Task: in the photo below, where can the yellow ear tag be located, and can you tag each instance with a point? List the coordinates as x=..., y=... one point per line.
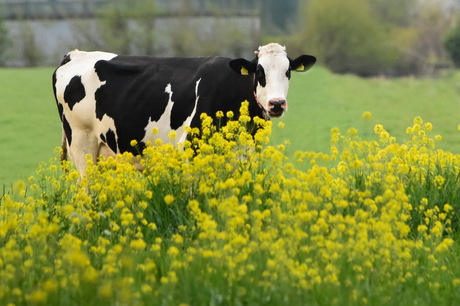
x=301, y=67
x=244, y=71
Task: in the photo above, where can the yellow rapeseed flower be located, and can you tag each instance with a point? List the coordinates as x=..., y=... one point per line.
x=169, y=199
x=138, y=244
x=445, y=244
x=37, y=297
x=172, y=134
x=352, y=132
x=105, y=291
x=146, y=289
x=367, y=115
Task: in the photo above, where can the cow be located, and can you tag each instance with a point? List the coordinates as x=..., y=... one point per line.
x=107, y=100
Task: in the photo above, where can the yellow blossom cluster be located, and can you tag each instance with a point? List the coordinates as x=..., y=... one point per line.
x=229, y=219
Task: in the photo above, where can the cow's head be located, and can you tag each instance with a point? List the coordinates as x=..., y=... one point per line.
x=271, y=71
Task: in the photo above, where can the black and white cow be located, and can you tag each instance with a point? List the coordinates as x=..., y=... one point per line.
x=107, y=100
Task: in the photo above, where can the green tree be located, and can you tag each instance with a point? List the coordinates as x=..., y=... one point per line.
x=123, y=26
x=394, y=12
x=452, y=45
x=29, y=48
x=347, y=36
x=432, y=22
x=417, y=29
x=3, y=41
x=128, y=26
x=368, y=37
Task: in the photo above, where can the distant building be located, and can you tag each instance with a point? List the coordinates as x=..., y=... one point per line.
x=42, y=31
x=49, y=9
x=275, y=14
x=56, y=9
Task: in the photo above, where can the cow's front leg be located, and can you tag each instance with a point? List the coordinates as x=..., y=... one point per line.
x=82, y=144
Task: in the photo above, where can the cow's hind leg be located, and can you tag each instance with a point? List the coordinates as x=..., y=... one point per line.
x=63, y=147
x=83, y=144
x=63, y=155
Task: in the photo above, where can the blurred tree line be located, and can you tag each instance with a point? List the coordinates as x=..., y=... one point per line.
x=364, y=37
x=3, y=41
x=379, y=37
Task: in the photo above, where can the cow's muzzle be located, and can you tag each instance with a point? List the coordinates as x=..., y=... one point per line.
x=276, y=107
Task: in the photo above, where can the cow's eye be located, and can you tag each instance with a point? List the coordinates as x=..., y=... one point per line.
x=288, y=74
x=260, y=72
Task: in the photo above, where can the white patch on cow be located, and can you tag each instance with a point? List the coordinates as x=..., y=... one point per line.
x=182, y=129
x=164, y=121
x=83, y=114
x=82, y=118
x=163, y=125
x=273, y=58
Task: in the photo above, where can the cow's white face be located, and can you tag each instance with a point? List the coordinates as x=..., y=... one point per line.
x=272, y=79
x=271, y=72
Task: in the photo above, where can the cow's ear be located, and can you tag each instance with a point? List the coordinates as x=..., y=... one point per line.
x=243, y=66
x=302, y=63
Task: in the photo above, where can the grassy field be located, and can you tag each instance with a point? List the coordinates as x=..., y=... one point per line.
x=29, y=123
x=318, y=101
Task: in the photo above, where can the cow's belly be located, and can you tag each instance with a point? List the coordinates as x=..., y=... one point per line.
x=110, y=137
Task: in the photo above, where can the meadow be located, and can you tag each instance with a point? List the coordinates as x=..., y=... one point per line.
x=360, y=206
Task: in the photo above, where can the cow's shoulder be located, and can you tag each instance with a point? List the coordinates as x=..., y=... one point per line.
x=218, y=78
x=79, y=64
x=122, y=65
x=76, y=59
x=215, y=65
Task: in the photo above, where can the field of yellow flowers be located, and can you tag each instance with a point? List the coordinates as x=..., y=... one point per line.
x=230, y=220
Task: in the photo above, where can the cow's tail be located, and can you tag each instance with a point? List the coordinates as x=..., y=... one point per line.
x=63, y=147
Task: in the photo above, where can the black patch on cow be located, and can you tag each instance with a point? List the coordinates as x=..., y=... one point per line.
x=111, y=140
x=54, y=89
x=102, y=137
x=224, y=91
x=132, y=95
x=260, y=76
x=288, y=73
x=181, y=110
x=67, y=129
x=60, y=110
x=74, y=92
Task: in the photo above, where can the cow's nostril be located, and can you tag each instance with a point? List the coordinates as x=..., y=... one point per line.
x=276, y=107
x=277, y=103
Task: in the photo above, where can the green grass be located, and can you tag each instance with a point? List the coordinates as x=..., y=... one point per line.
x=318, y=100
x=29, y=124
